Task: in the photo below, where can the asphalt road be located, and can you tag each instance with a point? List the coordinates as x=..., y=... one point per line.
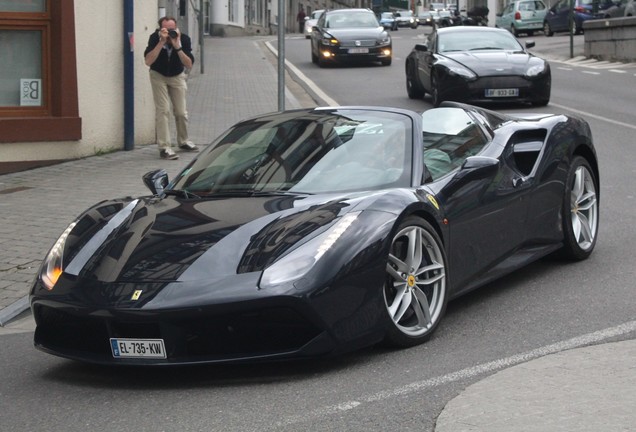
x=544, y=305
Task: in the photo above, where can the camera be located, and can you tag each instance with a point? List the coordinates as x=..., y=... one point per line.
x=173, y=34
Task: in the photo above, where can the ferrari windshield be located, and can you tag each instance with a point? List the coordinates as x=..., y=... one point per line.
x=317, y=151
x=477, y=40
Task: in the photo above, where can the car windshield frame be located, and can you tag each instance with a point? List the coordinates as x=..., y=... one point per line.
x=476, y=40
x=305, y=152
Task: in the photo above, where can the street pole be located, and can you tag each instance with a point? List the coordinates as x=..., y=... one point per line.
x=572, y=27
x=201, y=50
x=281, y=55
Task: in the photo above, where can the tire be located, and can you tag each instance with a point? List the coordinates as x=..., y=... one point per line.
x=415, y=289
x=514, y=31
x=413, y=88
x=580, y=211
x=437, y=99
x=314, y=57
x=530, y=33
x=547, y=30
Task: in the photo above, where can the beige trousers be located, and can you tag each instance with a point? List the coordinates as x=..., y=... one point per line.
x=169, y=92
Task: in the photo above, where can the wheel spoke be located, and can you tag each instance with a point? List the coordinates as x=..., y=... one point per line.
x=400, y=291
x=422, y=308
x=585, y=231
x=405, y=302
x=433, y=277
x=414, y=251
x=400, y=265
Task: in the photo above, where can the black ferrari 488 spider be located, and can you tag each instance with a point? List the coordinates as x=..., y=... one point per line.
x=477, y=64
x=313, y=232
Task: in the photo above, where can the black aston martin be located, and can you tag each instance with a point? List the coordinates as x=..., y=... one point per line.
x=477, y=64
x=313, y=232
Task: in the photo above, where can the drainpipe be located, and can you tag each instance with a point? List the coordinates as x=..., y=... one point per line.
x=129, y=76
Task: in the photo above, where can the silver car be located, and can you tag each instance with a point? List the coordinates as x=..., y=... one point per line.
x=311, y=21
x=522, y=16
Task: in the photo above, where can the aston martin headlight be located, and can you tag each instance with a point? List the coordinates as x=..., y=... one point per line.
x=53, y=265
x=462, y=72
x=535, y=70
x=298, y=262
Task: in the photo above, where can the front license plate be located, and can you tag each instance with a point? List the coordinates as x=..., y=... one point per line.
x=358, y=50
x=502, y=92
x=138, y=348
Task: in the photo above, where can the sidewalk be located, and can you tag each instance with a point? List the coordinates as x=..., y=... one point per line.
x=584, y=389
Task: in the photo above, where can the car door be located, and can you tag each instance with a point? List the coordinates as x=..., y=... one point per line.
x=485, y=204
x=426, y=60
x=558, y=16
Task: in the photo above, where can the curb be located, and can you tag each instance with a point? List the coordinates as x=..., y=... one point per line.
x=13, y=310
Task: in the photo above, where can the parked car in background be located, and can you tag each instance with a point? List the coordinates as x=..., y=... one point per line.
x=557, y=19
x=311, y=21
x=522, y=16
x=613, y=8
x=477, y=64
x=388, y=21
x=406, y=18
x=350, y=34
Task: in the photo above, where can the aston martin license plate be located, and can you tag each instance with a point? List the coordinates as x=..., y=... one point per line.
x=510, y=92
x=358, y=50
x=138, y=348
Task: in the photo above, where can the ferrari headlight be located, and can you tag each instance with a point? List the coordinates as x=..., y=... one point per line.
x=298, y=262
x=535, y=70
x=462, y=72
x=53, y=265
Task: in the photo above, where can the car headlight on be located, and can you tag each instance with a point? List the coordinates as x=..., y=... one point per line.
x=535, y=70
x=329, y=40
x=462, y=72
x=298, y=262
x=53, y=265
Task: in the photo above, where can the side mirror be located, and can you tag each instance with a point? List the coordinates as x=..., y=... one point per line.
x=421, y=47
x=156, y=181
x=530, y=44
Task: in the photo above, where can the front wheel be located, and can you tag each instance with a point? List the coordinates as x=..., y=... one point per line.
x=413, y=88
x=580, y=211
x=437, y=98
x=416, y=283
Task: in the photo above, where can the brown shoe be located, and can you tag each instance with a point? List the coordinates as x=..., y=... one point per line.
x=189, y=146
x=168, y=154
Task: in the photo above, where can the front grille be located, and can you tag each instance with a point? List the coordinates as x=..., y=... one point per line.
x=363, y=43
x=188, y=336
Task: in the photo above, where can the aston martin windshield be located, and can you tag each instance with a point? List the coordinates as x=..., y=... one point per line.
x=306, y=152
x=477, y=40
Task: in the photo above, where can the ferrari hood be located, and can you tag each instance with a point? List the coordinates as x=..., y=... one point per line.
x=493, y=63
x=153, y=240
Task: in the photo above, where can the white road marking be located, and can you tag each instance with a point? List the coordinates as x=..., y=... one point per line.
x=597, y=117
x=591, y=73
x=471, y=372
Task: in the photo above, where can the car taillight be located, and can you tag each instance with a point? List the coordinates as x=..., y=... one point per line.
x=517, y=15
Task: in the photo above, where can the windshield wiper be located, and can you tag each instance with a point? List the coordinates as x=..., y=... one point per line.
x=181, y=193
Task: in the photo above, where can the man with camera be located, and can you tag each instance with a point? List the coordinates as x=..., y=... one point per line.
x=169, y=54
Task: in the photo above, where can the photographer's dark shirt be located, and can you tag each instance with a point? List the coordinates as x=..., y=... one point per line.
x=169, y=64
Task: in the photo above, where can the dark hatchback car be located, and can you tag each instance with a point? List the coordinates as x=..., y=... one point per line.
x=558, y=17
x=350, y=34
x=477, y=64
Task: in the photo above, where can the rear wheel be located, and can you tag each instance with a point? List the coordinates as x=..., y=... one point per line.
x=547, y=30
x=580, y=211
x=514, y=31
x=415, y=288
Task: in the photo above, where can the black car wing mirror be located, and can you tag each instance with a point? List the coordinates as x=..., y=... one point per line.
x=530, y=44
x=421, y=47
x=156, y=181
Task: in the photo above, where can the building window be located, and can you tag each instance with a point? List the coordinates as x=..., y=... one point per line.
x=38, y=74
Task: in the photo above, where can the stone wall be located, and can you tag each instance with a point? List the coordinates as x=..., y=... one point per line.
x=611, y=39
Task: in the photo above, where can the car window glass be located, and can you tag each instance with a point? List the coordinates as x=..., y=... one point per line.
x=449, y=136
